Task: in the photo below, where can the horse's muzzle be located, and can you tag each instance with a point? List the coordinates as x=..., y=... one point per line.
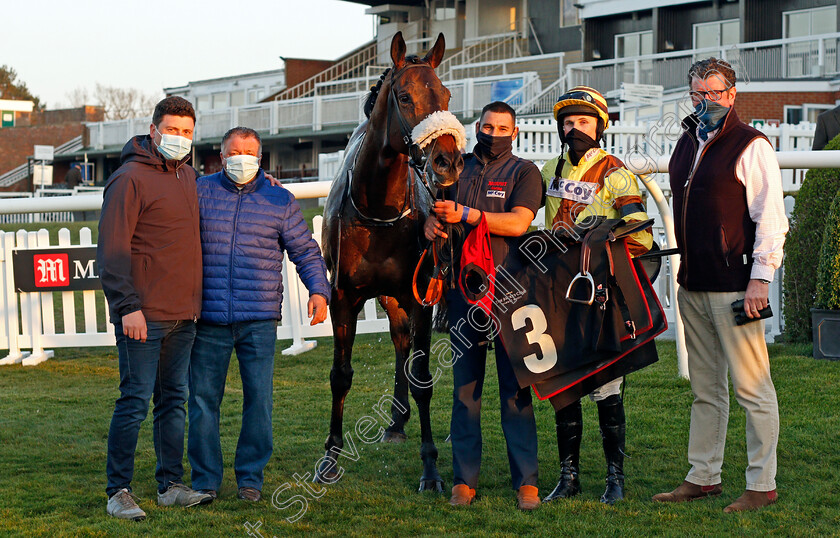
x=446, y=168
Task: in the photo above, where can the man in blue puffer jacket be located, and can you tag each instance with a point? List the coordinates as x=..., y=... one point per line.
x=246, y=225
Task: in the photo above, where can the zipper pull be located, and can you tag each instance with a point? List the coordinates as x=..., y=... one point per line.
x=686, y=183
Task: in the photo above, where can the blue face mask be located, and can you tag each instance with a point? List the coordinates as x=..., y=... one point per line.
x=711, y=115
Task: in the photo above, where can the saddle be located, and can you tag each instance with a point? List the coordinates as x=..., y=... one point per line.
x=575, y=310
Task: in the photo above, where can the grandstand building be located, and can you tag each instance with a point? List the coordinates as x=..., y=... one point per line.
x=526, y=52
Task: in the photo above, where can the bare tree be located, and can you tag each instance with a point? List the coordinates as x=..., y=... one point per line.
x=78, y=97
x=119, y=103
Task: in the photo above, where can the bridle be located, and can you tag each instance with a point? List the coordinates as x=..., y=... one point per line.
x=417, y=156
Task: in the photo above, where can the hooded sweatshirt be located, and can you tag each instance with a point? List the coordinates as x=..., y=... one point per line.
x=149, y=251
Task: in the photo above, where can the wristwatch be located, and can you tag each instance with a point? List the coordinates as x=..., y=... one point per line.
x=763, y=280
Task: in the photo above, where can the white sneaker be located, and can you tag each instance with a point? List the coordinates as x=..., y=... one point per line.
x=122, y=505
x=181, y=495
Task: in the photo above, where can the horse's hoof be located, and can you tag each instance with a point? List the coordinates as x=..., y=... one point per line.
x=394, y=437
x=431, y=484
x=324, y=478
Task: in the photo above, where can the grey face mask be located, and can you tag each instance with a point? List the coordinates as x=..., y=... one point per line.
x=711, y=115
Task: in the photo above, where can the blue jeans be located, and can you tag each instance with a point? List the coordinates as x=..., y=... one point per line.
x=157, y=367
x=254, y=342
x=518, y=423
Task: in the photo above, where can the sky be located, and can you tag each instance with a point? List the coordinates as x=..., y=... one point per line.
x=59, y=45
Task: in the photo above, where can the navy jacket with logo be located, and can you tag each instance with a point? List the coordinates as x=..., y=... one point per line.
x=244, y=233
x=497, y=186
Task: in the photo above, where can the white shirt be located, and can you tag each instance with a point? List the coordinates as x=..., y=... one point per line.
x=758, y=171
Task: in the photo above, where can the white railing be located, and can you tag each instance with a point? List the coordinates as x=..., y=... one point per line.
x=305, y=113
x=45, y=325
x=539, y=141
x=351, y=66
x=52, y=216
x=482, y=49
x=777, y=59
x=543, y=103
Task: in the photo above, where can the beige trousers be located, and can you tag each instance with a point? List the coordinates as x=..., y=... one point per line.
x=717, y=345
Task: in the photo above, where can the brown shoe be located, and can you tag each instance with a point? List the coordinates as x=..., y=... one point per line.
x=688, y=492
x=462, y=495
x=528, y=498
x=752, y=500
x=249, y=494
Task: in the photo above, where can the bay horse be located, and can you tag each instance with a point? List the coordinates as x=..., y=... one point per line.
x=373, y=225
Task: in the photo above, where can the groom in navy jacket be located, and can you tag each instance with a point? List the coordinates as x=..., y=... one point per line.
x=246, y=226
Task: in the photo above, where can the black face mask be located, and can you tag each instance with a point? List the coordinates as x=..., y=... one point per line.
x=493, y=147
x=579, y=143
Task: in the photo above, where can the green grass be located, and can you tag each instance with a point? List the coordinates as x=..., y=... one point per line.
x=54, y=422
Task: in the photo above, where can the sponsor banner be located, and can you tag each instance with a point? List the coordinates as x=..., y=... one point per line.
x=56, y=269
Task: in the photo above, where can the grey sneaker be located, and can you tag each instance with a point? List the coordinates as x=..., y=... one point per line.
x=123, y=505
x=181, y=495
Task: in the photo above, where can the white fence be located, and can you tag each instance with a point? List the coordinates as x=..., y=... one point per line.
x=35, y=321
x=30, y=319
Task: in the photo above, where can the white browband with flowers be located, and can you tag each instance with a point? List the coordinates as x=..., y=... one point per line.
x=436, y=124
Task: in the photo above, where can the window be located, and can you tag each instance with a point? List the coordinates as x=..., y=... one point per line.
x=629, y=46
x=717, y=34
x=807, y=112
x=809, y=22
x=203, y=103
x=635, y=44
x=801, y=59
x=255, y=95
x=444, y=10
x=220, y=100
x=568, y=13
x=237, y=98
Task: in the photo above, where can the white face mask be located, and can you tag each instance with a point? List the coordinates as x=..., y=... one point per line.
x=242, y=168
x=174, y=147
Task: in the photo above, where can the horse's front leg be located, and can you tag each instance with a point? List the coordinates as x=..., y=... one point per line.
x=421, y=383
x=400, y=326
x=344, y=311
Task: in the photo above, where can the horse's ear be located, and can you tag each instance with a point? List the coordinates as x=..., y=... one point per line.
x=398, y=51
x=435, y=54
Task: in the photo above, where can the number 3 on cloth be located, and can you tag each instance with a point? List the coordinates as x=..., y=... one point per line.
x=537, y=336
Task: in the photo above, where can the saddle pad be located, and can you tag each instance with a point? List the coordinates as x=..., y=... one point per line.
x=545, y=334
x=636, y=354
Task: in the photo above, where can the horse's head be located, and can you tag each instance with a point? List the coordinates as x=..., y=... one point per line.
x=417, y=119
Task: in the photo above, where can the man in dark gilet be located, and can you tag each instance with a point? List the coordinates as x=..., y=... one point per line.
x=731, y=226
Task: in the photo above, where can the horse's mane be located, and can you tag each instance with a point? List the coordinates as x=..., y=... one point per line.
x=370, y=100
x=374, y=92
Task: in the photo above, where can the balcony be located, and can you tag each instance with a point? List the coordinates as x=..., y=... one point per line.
x=324, y=110
x=777, y=59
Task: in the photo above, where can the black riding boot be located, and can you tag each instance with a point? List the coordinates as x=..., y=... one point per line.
x=611, y=419
x=569, y=429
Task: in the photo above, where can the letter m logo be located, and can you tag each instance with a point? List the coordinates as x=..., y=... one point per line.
x=51, y=270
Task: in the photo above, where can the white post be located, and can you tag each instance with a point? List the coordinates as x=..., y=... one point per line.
x=10, y=307
x=668, y=223
x=88, y=296
x=316, y=113
x=68, y=305
x=292, y=292
x=39, y=355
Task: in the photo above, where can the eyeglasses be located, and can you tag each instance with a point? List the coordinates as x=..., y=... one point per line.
x=711, y=95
